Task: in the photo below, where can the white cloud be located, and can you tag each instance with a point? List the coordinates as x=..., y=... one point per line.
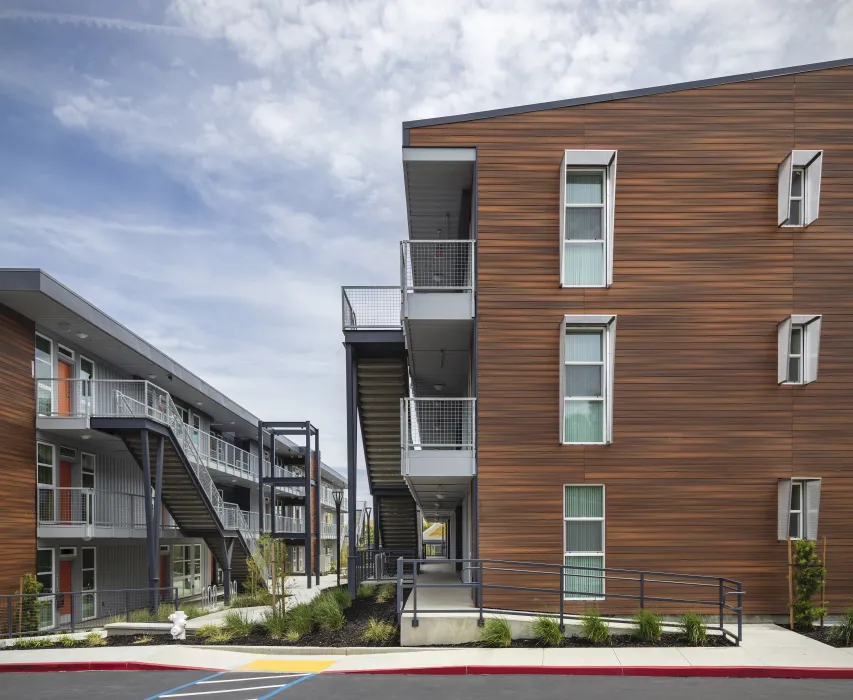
x=284, y=119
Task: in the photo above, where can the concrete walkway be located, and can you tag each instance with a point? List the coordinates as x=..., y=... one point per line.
x=456, y=598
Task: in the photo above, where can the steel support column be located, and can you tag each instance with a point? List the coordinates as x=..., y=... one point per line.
x=228, y=548
x=151, y=539
x=352, y=454
x=309, y=543
x=318, y=484
x=158, y=503
x=261, y=478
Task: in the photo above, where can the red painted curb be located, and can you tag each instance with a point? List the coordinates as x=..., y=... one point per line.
x=57, y=666
x=649, y=671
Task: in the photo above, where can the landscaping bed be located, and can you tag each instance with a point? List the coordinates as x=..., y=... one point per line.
x=669, y=639
x=827, y=635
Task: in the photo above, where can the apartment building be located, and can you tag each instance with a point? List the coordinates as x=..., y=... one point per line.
x=622, y=337
x=79, y=392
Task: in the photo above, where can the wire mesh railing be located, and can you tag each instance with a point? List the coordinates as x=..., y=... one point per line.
x=371, y=308
x=437, y=266
x=554, y=585
x=436, y=424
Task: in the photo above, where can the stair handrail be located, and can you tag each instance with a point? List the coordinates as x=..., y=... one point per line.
x=167, y=413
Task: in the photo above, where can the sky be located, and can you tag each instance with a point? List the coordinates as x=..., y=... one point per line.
x=211, y=172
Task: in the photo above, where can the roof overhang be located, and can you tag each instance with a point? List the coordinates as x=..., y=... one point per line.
x=435, y=181
x=53, y=307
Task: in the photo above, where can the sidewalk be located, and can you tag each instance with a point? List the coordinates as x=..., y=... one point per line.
x=768, y=651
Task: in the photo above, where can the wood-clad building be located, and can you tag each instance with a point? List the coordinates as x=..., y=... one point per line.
x=708, y=431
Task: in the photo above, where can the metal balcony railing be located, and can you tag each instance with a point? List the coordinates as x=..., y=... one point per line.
x=371, y=308
x=120, y=398
x=75, y=506
x=437, y=266
x=437, y=423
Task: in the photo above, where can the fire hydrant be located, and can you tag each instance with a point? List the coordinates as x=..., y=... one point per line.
x=179, y=620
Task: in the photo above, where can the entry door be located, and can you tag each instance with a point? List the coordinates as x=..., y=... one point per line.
x=63, y=399
x=65, y=586
x=66, y=512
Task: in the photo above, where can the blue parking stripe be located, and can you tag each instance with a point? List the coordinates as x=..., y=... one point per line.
x=285, y=687
x=185, y=685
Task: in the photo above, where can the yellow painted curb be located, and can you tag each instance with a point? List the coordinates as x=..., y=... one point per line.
x=291, y=665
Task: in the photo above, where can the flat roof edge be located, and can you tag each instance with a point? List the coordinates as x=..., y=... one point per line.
x=623, y=95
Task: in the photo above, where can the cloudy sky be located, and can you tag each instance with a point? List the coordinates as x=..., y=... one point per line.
x=210, y=172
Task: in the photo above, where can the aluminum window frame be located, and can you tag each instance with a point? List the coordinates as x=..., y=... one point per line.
x=602, y=554
x=48, y=389
x=603, y=208
x=801, y=198
x=799, y=356
x=800, y=512
x=89, y=593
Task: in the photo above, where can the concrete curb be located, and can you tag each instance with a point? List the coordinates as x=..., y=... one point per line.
x=63, y=666
x=314, y=651
x=649, y=671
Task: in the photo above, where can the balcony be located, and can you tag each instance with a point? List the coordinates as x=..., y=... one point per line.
x=68, y=404
x=87, y=513
x=437, y=280
x=371, y=308
x=437, y=441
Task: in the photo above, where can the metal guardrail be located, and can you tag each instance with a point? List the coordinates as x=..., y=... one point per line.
x=48, y=613
x=371, y=308
x=119, y=398
x=437, y=266
x=84, y=507
x=719, y=589
x=434, y=550
x=436, y=424
x=379, y=564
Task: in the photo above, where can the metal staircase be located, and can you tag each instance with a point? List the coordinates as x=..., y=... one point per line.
x=124, y=409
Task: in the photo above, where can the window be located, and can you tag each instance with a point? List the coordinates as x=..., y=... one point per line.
x=44, y=372
x=583, y=511
x=587, y=352
x=795, y=528
x=65, y=353
x=186, y=568
x=87, y=374
x=799, y=508
x=88, y=568
x=44, y=569
x=798, y=348
x=587, y=196
x=799, y=188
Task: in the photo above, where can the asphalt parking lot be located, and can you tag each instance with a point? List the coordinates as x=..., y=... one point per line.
x=199, y=685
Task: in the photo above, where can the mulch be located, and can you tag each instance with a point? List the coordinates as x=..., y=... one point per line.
x=618, y=640
x=819, y=635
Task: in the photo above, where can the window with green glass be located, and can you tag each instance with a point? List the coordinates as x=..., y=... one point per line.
x=584, y=389
x=583, y=546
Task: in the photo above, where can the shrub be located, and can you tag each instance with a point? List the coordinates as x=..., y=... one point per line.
x=206, y=631
x=327, y=613
x=386, y=592
x=67, y=641
x=378, y=631
x=275, y=623
x=94, y=639
x=33, y=643
x=221, y=636
x=300, y=619
x=809, y=575
x=342, y=596
x=648, y=626
x=246, y=600
x=365, y=590
x=30, y=604
x=237, y=624
x=842, y=633
x=547, y=632
x=144, y=639
x=292, y=636
x=593, y=627
x=496, y=633
x=693, y=630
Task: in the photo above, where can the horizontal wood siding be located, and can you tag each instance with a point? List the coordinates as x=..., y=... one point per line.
x=702, y=276
x=17, y=450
